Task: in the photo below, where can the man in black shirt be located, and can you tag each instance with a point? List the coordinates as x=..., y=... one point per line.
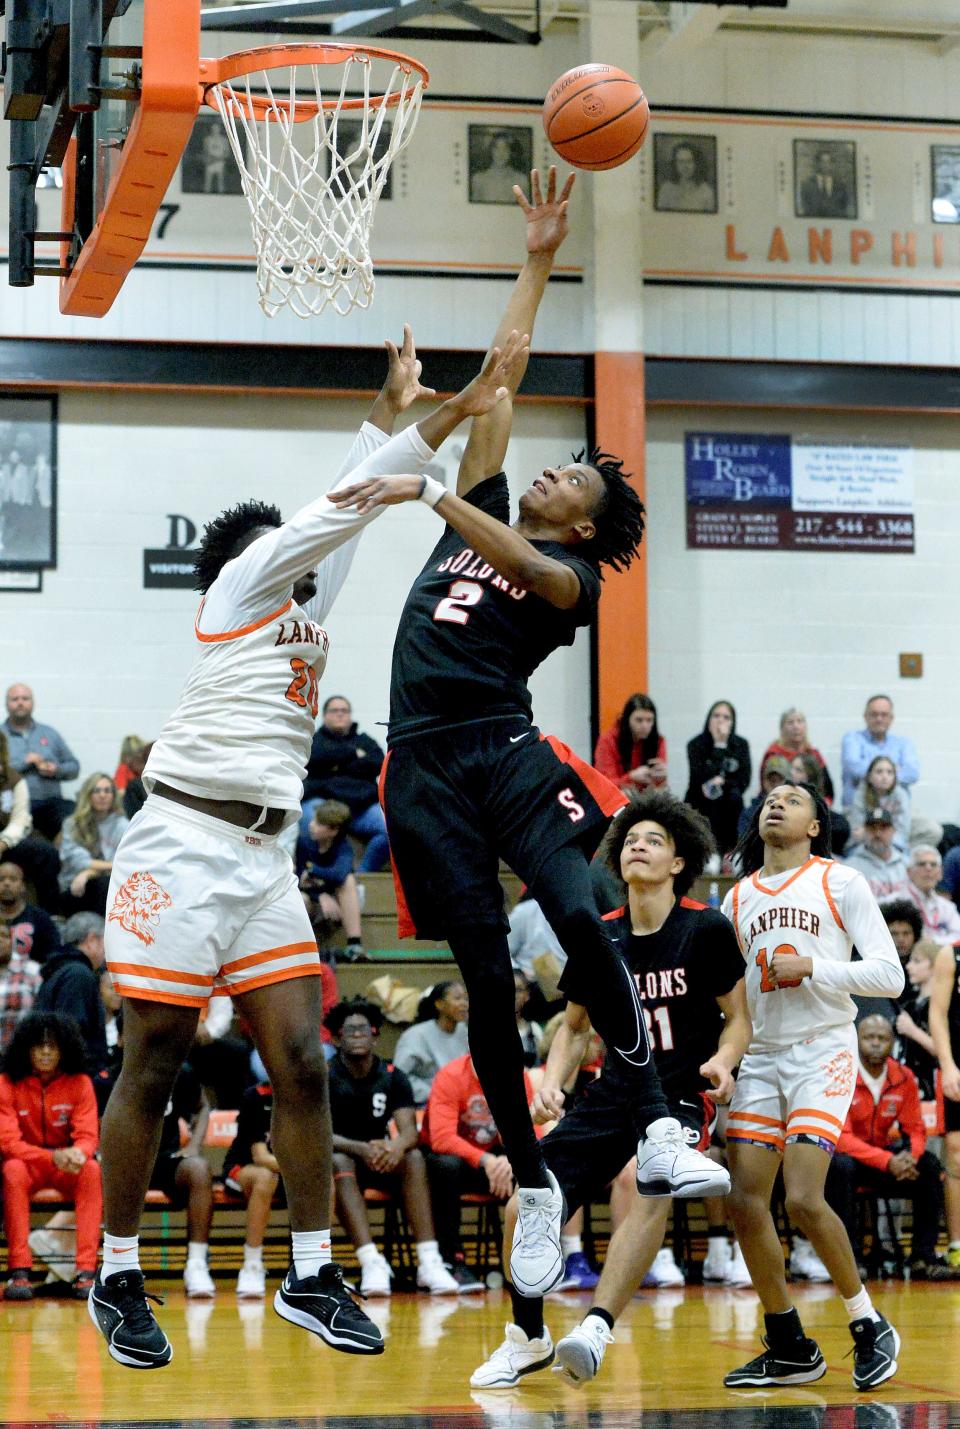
x=33, y=932
x=366, y=1093
x=689, y=972
x=470, y=780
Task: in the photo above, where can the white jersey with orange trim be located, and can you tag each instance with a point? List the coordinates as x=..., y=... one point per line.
x=820, y=911
x=245, y=720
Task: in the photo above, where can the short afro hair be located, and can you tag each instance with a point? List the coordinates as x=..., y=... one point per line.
x=618, y=516
x=224, y=535
x=356, y=1007
x=901, y=910
x=688, y=830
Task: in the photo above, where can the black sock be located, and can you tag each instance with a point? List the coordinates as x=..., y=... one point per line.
x=603, y=1315
x=784, y=1331
x=527, y=1313
x=717, y=1233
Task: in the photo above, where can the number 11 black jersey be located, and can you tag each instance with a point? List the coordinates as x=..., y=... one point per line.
x=468, y=640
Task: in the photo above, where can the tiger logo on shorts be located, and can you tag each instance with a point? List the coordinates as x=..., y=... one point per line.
x=838, y=1075
x=138, y=904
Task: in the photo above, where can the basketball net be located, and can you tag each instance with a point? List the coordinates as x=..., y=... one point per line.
x=312, y=170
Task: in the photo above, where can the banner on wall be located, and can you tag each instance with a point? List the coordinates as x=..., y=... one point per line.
x=768, y=492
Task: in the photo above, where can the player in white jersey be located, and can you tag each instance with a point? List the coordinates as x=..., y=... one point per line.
x=203, y=900
x=798, y=916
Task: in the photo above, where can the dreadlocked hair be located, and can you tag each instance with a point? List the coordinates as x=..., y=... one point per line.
x=748, y=855
x=223, y=535
x=618, y=516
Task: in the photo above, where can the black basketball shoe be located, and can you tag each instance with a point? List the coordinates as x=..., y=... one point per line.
x=323, y=1304
x=118, y=1307
x=801, y=1363
x=876, y=1345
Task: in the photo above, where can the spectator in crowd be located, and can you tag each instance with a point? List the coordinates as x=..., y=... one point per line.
x=33, y=931
x=48, y=1140
x=913, y=1019
x=877, y=857
x=438, y=1036
x=883, y=1146
x=806, y=769
x=941, y=917
x=366, y=1093
x=466, y=1154
x=44, y=757
x=530, y=1032
x=36, y=856
x=329, y=997
x=183, y=1173
x=719, y=773
x=951, y=873
x=112, y=1021
x=252, y=1171
x=774, y=770
x=133, y=759
x=324, y=862
x=89, y=842
x=536, y=953
x=860, y=747
x=70, y=986
x=794, y=739
x=345, y=765
x=906, y=926
x=633, y=753
x=19, y=985
x=879, y=789
x=134, y=793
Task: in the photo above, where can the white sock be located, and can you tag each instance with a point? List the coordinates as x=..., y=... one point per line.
x=428, y=1252
x=954, y=1245
x=859, y=1306
x=598, y=1319
x=311, y=1250
x=368, y=1254
x=120, y=1253
x=571, y=1245
x=197, y=1251
x=253, y=1257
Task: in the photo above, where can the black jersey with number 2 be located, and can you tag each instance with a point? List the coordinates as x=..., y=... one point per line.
x=468, y=640
x=680, y=971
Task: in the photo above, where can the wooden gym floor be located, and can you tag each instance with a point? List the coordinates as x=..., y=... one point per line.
x=241, y=1365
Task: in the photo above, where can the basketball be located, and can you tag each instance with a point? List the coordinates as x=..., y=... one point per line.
x=596, y=116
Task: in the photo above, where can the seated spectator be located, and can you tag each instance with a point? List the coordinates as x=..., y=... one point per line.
x=913, y=1021
x=633, y=753
x=465, y=1152
x=794, y=739
x=879, y=790
x=774, y=770
x=438, y=1036
x=90, y=839
x=112, y=1004
x=877, y=857
x=906, y=926
x=719, y=773
x=941, y=917
x=345, y=765
x=531, y=1033
x=43, y=756
x=324, y=863
x=19, y=985
x=37, y=857
x=252, y=1170
x=536, y=953
x=183, y=1173
x=70, y=986
x=135, y=794
x=133, y=759
x=883, y=1147
x=43, y=1149
x=329, y=997
x=951, y=873
x=860, y=747
x=365, y=1094
x=33, y=931
x=805, y=769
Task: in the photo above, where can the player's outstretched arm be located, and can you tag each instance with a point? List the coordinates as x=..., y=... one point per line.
x=733, y=1043
x=564, y=1058
x=546, y=220
x=402, y=386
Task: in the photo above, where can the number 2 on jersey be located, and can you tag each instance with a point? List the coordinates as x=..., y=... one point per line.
x=765, y=984
x=302, y=689
x=453, y=607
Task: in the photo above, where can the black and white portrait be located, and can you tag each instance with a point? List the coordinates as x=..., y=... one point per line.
x=28, y=482
x=208, y=165
x=685, y=173
x=355, y=153
x=498, y=156
x=945, y=182
x=825, y=178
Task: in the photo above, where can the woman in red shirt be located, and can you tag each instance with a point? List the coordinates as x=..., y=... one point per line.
x=633, y=754
x=48, y=1139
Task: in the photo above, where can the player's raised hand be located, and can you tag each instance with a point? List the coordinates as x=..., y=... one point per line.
x=496, y=379
x=403, y=386
x=546, y=217
x=377, y=491
x=547, y=1105
x=720, y=1078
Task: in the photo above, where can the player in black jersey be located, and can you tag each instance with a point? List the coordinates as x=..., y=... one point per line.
x=945, y=1031
x=689, y=971
x=469, y=779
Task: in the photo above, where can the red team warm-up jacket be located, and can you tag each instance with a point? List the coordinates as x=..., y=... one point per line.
x=870, y=1126
x=458, y=1120
x=36, y=1120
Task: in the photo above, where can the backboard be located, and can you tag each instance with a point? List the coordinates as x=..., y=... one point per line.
x=105, y=91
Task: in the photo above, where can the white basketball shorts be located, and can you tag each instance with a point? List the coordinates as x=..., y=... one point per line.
x=197, y=907
x=799, y=1093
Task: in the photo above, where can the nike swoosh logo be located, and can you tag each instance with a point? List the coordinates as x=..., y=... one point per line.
x=515, y=737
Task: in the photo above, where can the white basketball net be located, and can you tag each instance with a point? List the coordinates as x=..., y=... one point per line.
x=313, y=182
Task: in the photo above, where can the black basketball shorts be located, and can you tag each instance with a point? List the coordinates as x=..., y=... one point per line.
x=457, y=802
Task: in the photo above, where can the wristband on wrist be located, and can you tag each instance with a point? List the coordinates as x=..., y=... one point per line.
x=431, y=491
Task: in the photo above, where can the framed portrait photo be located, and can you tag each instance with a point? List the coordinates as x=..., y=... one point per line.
x=28, y=483
x=824, y=178
x=208, y=165
x=685, y=173
x=498, y=156
x=945, y=183
x=348, y=143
